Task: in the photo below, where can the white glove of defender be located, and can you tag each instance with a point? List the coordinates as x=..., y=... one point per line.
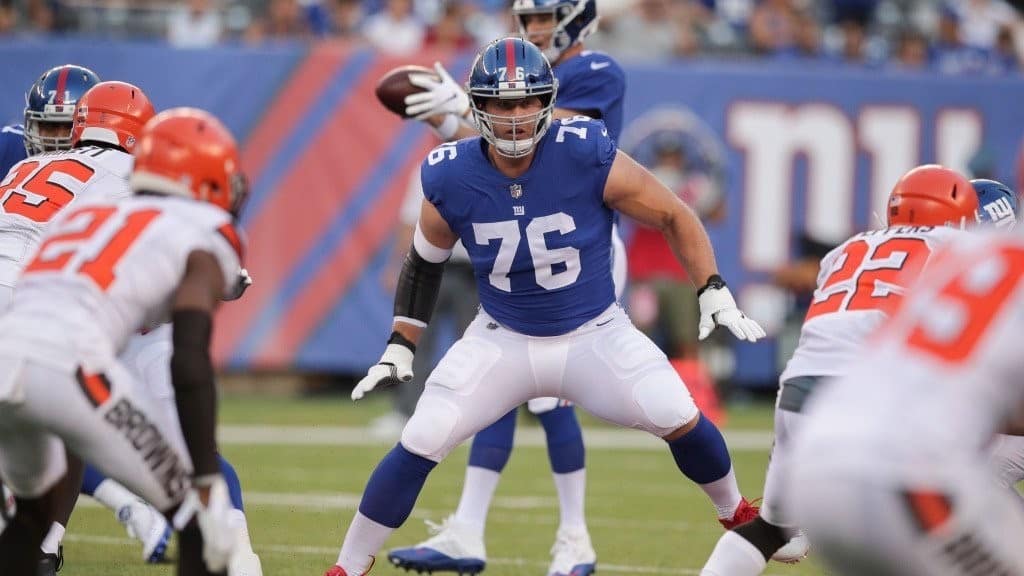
x=717, y=308
x=219, y=533
x=439, y=98
x=395, y=366
x=242, y=283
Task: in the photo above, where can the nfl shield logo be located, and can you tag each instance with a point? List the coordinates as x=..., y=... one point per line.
x=515, y=190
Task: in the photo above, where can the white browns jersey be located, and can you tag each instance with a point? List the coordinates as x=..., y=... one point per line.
x=105, y=270
x=858, y=281
x=943, y=374
x=38, y=187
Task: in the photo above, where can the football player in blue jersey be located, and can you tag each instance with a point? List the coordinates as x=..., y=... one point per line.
x=593, y=84
x=532, y=200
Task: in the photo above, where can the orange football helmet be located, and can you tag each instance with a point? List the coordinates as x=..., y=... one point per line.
x=932, y=195
x=188, y=152
x=112, y=112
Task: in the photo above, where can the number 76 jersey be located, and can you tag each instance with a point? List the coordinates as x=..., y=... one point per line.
x=540, y=243
x=105, y=270
x=860, y=282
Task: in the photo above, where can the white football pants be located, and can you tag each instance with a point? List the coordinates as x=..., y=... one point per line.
x=606, y=366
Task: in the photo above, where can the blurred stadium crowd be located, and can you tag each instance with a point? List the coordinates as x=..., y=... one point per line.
x=952, y=37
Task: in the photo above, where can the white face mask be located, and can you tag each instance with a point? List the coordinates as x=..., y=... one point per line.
x=516, y=147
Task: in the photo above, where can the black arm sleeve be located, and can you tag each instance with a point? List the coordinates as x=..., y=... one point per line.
x=418, y=286
x=194, y=388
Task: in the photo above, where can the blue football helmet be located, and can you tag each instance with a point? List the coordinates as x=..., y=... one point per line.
x=574, y=21
x=512, y=69
x=51, y=100
x=997, y=204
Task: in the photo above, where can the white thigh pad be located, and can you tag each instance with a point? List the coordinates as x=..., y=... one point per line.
x=664, y=400
x=465, y=365
x=429, y=432
x=542, y=405
x=627, y=351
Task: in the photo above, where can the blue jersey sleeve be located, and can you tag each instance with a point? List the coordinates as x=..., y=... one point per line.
x=594, y=84
x=434, y=171
x=591, y=146
x=12, y=148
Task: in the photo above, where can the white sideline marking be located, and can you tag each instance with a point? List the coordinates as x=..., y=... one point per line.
x=600, y=439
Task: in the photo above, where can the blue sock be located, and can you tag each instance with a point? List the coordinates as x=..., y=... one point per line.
x=565, y=439
x=701, y=453
x=394, y=486
x=234, y=485
x=492, y=446
x=92, y=479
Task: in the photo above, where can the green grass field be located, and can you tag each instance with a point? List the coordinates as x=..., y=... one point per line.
x=644, y=517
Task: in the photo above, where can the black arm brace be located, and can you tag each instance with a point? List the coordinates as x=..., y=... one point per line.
x=418, y=285
x=194, y=389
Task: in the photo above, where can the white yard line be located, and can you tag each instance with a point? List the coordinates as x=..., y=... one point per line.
x=606, y=439
x=330, y=552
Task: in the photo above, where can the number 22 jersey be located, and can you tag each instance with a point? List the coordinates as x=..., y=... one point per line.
x=540, y=243
x=859, y=282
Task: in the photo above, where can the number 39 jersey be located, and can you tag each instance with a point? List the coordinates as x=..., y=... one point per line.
x=540, y=244
x=859, y=282
x=105, y=270
x=37, y=188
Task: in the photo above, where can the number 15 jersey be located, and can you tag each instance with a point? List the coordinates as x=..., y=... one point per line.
x=540, y=243
x=105, y=270
x=859, y=283
x=38, y=187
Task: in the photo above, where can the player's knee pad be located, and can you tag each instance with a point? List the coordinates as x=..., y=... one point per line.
x=664, y=401
x=542, y=405
x=430, y=431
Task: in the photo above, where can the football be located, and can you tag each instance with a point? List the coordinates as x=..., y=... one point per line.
x=394, y=86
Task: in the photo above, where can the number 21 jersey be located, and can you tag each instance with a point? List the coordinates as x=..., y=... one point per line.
x=105, y=270
x=38, y=187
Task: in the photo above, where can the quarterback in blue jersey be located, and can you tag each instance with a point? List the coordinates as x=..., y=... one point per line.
x=532, y=200
x=12, y=147
x=593, y=84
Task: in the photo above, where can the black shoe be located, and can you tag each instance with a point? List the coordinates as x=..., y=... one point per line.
x=50, y=564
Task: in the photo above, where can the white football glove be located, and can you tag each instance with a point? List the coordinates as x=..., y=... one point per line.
x=718, y=308
x=242, y=283
x=215, y=521
x=438, y=98
x=395, y=366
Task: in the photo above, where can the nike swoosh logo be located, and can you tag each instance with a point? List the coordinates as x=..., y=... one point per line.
x=605, y=322
x=599, y=65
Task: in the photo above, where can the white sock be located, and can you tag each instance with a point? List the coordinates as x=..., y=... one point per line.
x=724, y=494
x=242, y=526
x=53, y=538
x=572, y=489
x=734, y=556
x=477, y=493
x=363, y=541
x=113, y=495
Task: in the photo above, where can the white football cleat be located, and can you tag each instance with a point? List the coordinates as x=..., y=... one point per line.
x=454, y=547
x=146, y=524
x=794, y=551
x=572, y=553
